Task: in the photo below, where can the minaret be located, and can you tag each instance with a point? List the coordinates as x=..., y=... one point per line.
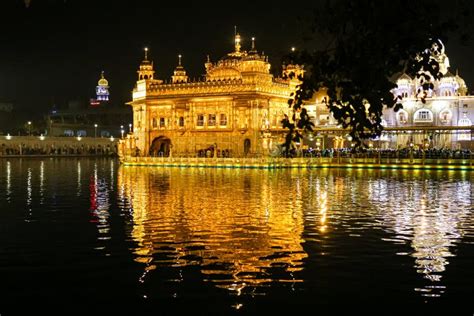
x=102, y=89
x=146, y=71
x=237, y=46
x=237, y=43
x=208, y=64
x=179, y=73
x=253, y=50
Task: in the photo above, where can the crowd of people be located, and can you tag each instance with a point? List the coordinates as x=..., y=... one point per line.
x=57, y=150
x=430, y=153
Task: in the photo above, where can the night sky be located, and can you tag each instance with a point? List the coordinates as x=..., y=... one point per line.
x=54, y=51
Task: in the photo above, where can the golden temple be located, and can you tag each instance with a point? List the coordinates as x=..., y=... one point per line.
x=234, y=111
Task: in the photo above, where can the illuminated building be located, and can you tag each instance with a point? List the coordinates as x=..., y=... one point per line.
x=80, y=119
x=234, y=111
x=435, y=124
x=102, y=89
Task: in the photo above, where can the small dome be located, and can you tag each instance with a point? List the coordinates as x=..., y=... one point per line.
x=460, y=81
x=449, y=79
x=103, y=81
x=404, y=79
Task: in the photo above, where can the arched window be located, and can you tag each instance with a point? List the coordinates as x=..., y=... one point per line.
x=423, y=116
x=445, y=116
x=464, y=135
x=464, y=122
x=402, y=117
x=223, y=119
x=200, y=120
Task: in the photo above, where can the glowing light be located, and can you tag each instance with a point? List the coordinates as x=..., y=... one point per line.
x=78, y=138
x=42, y=137
x=8, y=137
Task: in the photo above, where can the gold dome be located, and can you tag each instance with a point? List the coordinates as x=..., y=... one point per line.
x=102, y=80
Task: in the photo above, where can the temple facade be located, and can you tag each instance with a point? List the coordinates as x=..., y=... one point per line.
x=234, y=111
x=436, y=123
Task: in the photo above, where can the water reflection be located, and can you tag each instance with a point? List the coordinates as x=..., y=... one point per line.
x=241, y=228
x=429, y=215
x=246, y=228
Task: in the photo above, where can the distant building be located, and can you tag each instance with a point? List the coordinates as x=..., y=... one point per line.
x=96, y=119
x=102, y=89
x=235, y=111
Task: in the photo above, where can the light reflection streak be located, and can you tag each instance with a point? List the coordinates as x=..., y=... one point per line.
x=99, y=207
x=41, y=184
x=9, y=182
x=112, y=176
x=29, y=189
x=79, y=181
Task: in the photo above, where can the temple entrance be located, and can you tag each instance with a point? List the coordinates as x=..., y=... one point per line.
x=246, y=146
x=160, y=147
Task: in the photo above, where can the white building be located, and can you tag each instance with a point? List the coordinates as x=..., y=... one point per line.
x=437, y=123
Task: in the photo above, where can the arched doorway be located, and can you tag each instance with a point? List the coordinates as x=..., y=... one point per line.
x=160, y=147
x=246, y=146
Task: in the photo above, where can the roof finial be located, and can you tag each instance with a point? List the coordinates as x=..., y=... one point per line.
x=237, y=43
x=179, y=60
x=208, y=59
x=235, y=30
x=146, y=53
x=253, y=43
x=457, y=72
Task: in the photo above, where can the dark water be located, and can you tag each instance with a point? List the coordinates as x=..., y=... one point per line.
x=89, y=235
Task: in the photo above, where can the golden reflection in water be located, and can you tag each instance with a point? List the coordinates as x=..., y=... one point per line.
x=237, y=225
x=428, y=215
x=323, y=211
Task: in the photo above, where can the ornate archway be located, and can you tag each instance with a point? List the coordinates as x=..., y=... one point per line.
x=160, y=147
x=246, y=146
